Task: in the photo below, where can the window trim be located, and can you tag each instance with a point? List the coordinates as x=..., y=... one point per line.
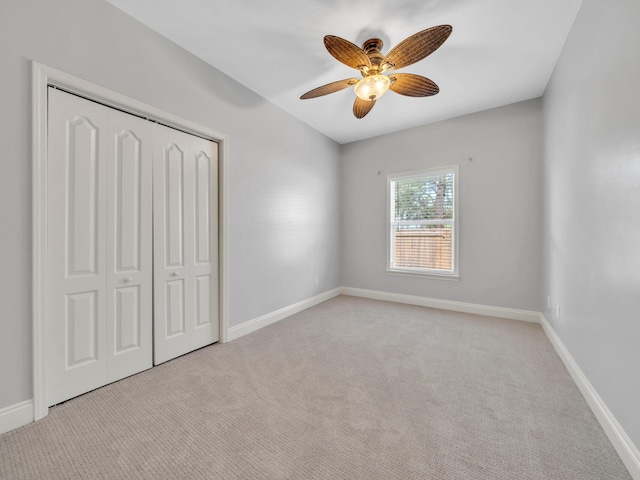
x=453, y=274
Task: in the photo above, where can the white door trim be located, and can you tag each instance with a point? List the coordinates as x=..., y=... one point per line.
x=42, y=77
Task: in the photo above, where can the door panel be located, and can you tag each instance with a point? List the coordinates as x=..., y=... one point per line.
x=128, y=321
x=203, y=301
x=129, y=201
x=185, y=225
x=202, y=198
x=174, y=166
x=175, y=308
x=75, y=266
x=171, y=310
x=129, y=276
x=82, y=195
x=81, y=329
x=98, y=251
x=204, y=266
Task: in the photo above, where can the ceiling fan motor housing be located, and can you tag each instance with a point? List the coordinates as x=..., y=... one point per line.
x=372, y=48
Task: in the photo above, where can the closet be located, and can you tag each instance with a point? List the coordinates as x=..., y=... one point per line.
x=132, y=252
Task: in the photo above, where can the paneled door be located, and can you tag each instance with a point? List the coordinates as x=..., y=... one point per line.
x=99, y=246
x=185, y=243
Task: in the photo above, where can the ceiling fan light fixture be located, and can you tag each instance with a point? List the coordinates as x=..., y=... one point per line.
x=372, y=87
x=373, y=64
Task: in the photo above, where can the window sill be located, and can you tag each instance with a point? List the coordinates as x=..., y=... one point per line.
x=451, y=277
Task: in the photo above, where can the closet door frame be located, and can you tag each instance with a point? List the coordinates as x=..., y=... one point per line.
x=43, y=77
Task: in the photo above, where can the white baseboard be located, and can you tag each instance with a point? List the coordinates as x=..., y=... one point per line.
x=15, y=416
x=500, y=312
x=625, y=447
x=269, y=318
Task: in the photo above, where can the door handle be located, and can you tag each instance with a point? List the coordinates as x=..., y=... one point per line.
x=174, y=274
x=126, y=279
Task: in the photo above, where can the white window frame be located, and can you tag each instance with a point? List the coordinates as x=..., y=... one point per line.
x=452, y=274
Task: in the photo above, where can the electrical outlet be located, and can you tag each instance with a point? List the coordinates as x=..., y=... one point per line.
x=548, y=301
x=558, y=312
x=315, y=281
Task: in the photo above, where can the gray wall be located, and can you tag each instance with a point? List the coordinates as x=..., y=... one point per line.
x=500, y=205
x=592, y=202
x=284, y=197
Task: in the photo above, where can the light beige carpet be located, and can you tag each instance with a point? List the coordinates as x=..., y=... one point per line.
x=349, y=389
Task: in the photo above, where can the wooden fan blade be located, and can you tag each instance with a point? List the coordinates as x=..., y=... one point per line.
x=413, y=85
x=418, y=46
x=362, y=107
x=346, y=52
x=329, y=88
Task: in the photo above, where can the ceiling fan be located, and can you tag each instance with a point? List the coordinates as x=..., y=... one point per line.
x=373, y=66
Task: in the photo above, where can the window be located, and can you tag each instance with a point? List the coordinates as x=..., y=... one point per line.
x=423, y=222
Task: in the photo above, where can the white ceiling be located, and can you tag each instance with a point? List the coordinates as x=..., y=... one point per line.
x=500, y=52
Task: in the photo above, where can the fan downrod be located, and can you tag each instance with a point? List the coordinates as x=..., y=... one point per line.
x=372, y=48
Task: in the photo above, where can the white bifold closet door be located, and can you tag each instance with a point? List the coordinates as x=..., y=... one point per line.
x=185, y=243
x=99, y=246
x=132, y=245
